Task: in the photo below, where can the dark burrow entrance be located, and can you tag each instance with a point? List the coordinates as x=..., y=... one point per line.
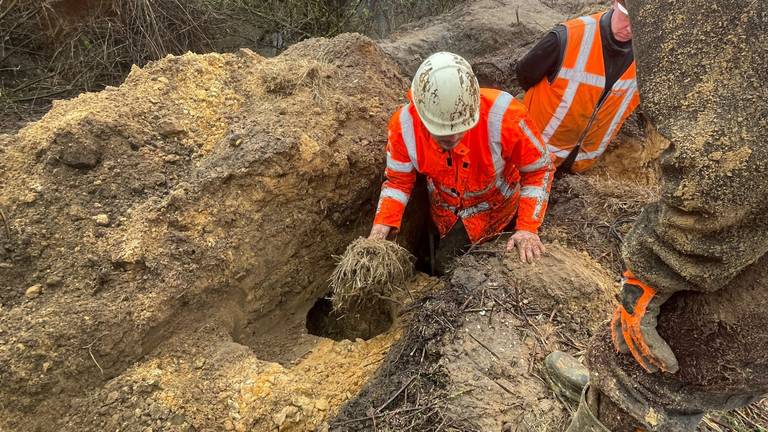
x=377, y=316
x=366, y=323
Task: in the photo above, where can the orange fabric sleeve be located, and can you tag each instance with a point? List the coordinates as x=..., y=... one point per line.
x=401, y=176
x=526, y=150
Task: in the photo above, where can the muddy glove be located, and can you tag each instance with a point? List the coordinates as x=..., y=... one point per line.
x=633, y=327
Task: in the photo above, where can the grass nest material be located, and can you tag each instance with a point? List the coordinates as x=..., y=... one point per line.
x=370, y=271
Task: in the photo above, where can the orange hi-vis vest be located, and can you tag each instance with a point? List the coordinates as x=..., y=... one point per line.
x=566, y=111
x=498, y=164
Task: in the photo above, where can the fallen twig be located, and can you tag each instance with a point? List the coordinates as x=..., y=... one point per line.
x=10, y=7
x=484, y=346
x=503, y=387
x=43, y=96
x=397, y=393
x=90, y=351
x=745, y=418
x=369, y=418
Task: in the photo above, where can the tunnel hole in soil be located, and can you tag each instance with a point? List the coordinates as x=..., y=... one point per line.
x=365, y=323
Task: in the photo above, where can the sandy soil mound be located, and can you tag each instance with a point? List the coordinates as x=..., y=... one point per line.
x=201, y=201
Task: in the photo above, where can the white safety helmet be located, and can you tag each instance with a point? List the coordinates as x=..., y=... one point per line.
x=446, y=94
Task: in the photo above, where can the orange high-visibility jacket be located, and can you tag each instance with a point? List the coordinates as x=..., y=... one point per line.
x=566, y=110
x=499, y=163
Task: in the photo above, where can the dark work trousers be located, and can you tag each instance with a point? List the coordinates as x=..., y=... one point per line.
x=454, y=244
x=705, y=241
x=444, y=250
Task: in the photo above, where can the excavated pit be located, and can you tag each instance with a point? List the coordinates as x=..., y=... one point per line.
x=168, y=237
x=323, y=321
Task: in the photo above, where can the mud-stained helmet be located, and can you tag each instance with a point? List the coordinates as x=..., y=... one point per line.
x=446, y=94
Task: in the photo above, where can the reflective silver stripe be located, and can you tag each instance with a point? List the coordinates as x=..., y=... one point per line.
x=483, y=206
x=544, y=159
x=582, y=77
x=435, y=198
x=540, y=203
x=590, y=30
x=542, y=162
x=533, y=138
x=625, y=84
x=397, y=166
x=614, y=124
x=448, y=191
x=561, y=111
x=505, y=188
x=409, y=135
x=430, y=186
x=395, y=194
x=495, y=118
x=446, y=206
x=480, y=192
x=515, y=189
x=538, y=193
x=495, y=122
x=475, y=209
x=432, y=197
x=558, y=152
x=533, y=192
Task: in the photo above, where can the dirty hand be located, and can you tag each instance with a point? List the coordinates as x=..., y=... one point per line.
x=633, y=327
x=379, y=232
x=528, y=245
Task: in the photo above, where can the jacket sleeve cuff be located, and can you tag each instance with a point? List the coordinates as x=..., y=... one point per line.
x=391, y=219
x=522, y=225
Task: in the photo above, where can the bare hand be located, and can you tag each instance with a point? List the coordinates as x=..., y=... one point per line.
x=528, y=245
x=379, y=232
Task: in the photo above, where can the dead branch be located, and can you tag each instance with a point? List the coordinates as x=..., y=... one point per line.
x=397, y=393
x=484, y=346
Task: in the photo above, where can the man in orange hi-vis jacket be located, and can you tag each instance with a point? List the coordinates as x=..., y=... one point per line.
x=580, y=83
x=483, y=159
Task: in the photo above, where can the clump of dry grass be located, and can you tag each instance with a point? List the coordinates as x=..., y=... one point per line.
x=52, y=49
x=61, y=47
x=287, y=79
x=370, y=271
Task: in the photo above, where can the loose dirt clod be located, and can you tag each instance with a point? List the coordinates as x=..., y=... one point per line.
x=369, y=271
